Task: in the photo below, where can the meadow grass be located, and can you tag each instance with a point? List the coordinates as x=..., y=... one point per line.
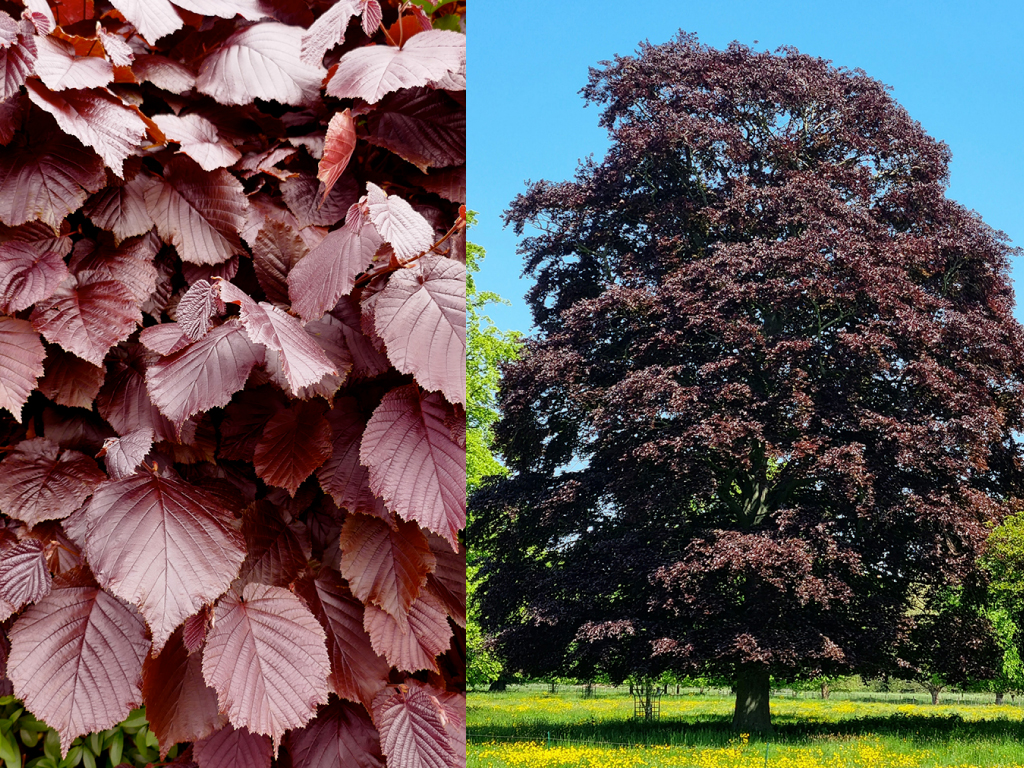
x=512, y=730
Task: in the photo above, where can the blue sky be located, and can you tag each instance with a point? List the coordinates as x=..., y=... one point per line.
x=957, y=67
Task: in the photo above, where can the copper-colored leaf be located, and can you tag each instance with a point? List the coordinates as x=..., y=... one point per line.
x=412, y=642
x=70, y=380
x=338, y=147
x=295, y=442
x=412, y=733
x=39, y=481
x=341, y=735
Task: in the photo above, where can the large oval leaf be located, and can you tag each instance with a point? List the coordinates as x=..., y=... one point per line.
x=233, y=748
x=412, y=733
x=371, y=72
x=163, y=545
x=412, y=642
x=204, y=375
x=385, y=566
x=21, y=363
x=295, y=442
x=200, y=213
x=415, y=465
x=357, y=672
x=421, y=315
x=28, y=275
x=342, y=476
x=88, y=316
x=76, y=661
x=40, y=482
x=261, y=62
x=266, y=657
x=24, y=577
x=341, y=735
x=180, y=706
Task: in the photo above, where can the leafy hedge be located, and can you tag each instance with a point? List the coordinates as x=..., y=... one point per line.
x=232, y=380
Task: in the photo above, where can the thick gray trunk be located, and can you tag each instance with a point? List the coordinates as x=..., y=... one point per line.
x=999, y=697
x=935, y=694
x=824, y=690
x=752, y=713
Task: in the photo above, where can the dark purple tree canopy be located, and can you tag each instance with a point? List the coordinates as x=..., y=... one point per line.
x=776, y=383
x=230, y=257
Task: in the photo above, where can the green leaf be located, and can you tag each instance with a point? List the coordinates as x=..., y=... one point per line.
x=116, y=747
x=95, y=743
x=51, y=745
x=29, y=737
x=74, y=757
x=135, y=720
x=88, y=759
x=449, y=22
x=10, y=753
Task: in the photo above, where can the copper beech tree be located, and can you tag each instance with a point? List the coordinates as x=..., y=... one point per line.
x=232, y=376
x=771, y=404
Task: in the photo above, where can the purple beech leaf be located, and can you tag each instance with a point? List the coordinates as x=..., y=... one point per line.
x=199, y=140
x=371, y=72
x=367, y=360
x=47, y=180
x=408, y=232
x=339, y=143
x=124, y=398
x=193, y=633
x=302, y=360
x=342, y=476
x=276, y=549
x=330, y=335
x=244, y=421
x=231, y=748
x=24, y=577
x=17, y=62
x=164, y=339
x=40, y=482
x=124, y=454
x=69, y=380
x=412, y=733
x=196, y=310
x=9, y=30
x=200, y=213
x=266, y=658
x=153, y=18
x=122, y=209
x=295, y=441
x=385, y=566
x=28, y=275
x=411, y=642
x=117, y=50
x=421, y=126
x=39, y=236
x=449, y=183
x=59, y=68
x=414, y=464
x=261, y=62
x=76, y=661
x=327, y=31
x=163, y=545
x=12, y=113
x=97, y=118
x=342, y=734
x=88, y=317
x=131, y=264
x=166, y=74
x=448, y=581
x=329, y=270
x=304, y=196
x=193, y=273
x=357, y=672
x=421, y=316
x=39, y=15
x=372, y=16
x=204, y=375
x=251, y=10
x=276, y=251
x=180, y=706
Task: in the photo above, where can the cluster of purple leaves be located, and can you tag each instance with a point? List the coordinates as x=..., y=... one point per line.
x=232, y=375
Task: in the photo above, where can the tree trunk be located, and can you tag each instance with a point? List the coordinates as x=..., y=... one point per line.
x=824, y=690
x=999, y=697
x=752, y=713
x=935, y=693
x=498, y=686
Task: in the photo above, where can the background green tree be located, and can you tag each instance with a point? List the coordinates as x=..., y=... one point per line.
x=488, y=348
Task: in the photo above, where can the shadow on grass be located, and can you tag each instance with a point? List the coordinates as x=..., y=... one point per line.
x=713, y=730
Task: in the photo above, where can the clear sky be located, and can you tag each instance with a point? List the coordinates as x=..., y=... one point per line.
x=957, y=67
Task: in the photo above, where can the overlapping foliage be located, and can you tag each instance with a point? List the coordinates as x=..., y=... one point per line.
x=774, y=402
x=232, y=374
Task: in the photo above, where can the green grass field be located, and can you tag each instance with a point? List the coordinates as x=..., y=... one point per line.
x=527, y=727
